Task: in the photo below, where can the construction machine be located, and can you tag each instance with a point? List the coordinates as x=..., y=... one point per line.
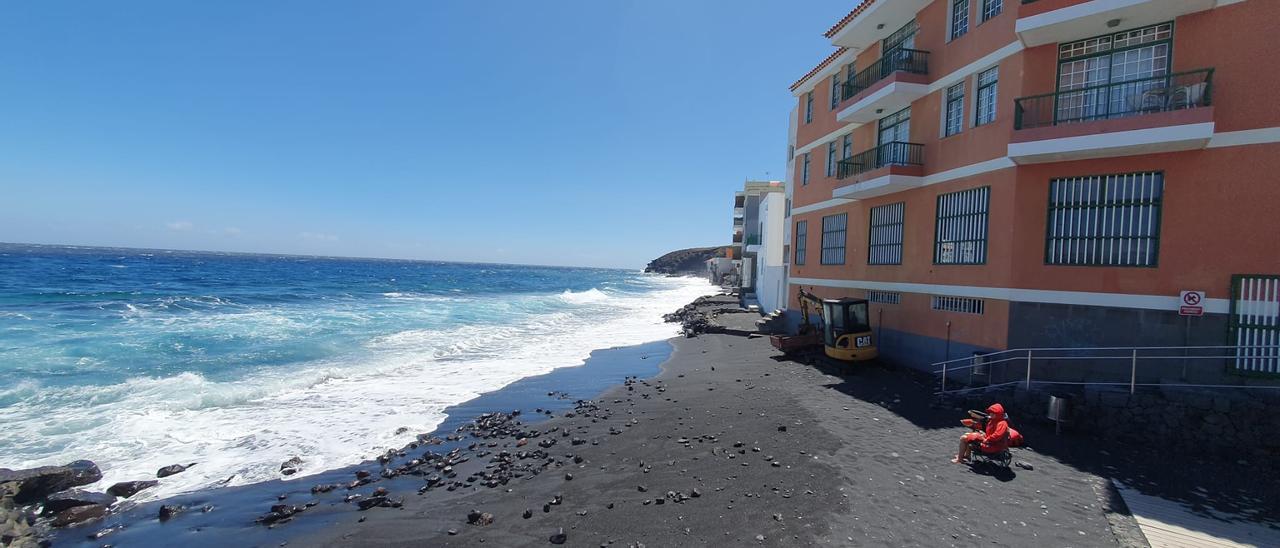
x=844, y=334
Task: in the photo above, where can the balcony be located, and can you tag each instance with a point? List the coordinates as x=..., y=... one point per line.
x=890, y=84
x=1051, y=21
x=896, y=153
x=737, y=238
x=888, y=168
x=738, y=212
x=874, y=21
x=1166, y=113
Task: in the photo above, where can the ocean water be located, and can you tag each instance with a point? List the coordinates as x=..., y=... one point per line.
x=139, y=359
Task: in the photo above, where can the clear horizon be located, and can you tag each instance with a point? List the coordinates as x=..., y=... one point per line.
x=567, y=134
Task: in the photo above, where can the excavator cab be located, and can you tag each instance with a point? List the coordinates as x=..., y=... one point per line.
x=846, y=330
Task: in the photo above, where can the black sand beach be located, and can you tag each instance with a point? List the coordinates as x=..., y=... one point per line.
x=733, y=445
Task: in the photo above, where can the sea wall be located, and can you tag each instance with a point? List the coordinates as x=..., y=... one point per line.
x=1228, y=423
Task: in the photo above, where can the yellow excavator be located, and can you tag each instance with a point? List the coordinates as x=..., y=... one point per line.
x=845, y=334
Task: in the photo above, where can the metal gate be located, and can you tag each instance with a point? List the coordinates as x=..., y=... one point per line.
x=1254, y=322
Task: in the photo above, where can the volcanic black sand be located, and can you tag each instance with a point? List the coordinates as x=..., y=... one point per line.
x=731, y=444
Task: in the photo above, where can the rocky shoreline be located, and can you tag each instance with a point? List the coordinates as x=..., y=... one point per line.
x=729, y=445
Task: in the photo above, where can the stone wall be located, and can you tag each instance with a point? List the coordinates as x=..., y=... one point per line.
x=1229, y=423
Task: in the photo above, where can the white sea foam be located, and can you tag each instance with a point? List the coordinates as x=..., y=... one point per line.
x=330, y=413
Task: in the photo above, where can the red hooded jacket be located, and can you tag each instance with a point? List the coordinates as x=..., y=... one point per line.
x=996, y=437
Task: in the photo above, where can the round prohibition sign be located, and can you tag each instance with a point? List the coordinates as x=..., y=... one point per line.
x=1191, y=299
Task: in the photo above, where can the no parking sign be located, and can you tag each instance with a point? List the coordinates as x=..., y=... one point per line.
x=1191, y=303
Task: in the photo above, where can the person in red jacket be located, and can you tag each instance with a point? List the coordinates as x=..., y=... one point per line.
x=993, y=438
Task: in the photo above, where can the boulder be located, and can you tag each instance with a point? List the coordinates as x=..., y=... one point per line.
x=36, y=483
x=126, y=489
x=172, y=469
x=71, y=498
x=291, y=466
x=77, y=514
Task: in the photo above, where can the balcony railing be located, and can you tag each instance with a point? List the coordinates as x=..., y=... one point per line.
x=896, y=153
x=1178, y=91
x=753, y=239
x=900, y=59
x=737, y=238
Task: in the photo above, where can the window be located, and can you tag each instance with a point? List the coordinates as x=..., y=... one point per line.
x=846, y=146
x=991, y=8
x=831, y=159
x=1115, y=74
x=884, y=297
x=804, y=170
x=802, y=237
x=886, y=234
x=903, y=37
x=833, y=236
x=960, y=236
x=808, y=107
x=1107, y=220
x=835, y=90
x=955, y=110
x=986, y=100
x=959, y=304
x=959, y=18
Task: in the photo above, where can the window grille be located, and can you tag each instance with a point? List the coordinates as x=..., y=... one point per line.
x=834, y=230
x=802, y=237
x=965, y=305
x=960, y=234
x=885, y=233
x=884, y=297
x=1105, y=220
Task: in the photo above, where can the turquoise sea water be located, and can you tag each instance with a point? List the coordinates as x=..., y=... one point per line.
x=138, y=359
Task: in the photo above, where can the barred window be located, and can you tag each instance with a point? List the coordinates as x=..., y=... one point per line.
x=959, y=18
x=884, y=297
x=1106, y=220
x=986, y=99
x=955, y=109
x=960, y=234
x=959, y=304
x=991, y=8
x=846, y=146
x=886, y=234
x=802, y=240
x=831, y=159
x=833, y=236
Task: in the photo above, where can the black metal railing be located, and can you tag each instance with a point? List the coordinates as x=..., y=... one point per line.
x=896, y=153
x=897, y=59
x=1115, y=100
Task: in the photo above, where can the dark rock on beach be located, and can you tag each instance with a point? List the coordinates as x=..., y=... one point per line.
x=291, y=466
x=126, y=489
x=172, y=469
x=71, y=498
x=36, y=483
x=77, y=514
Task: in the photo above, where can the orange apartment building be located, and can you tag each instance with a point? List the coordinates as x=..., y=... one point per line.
x=1044, y=173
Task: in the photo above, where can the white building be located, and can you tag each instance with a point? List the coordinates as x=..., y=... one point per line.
x=770, y=264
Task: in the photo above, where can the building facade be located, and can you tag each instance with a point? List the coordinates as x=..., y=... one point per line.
x=997, y=174
x=759, y=220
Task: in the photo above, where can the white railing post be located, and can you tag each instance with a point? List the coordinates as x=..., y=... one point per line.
x=944, y=377
x=1028, y=370
x=1133, y=372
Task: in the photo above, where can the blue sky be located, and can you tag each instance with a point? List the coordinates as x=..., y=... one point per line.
x=584, y=132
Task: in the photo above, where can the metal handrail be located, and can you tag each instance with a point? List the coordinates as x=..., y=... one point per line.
x=1175, y=91
x=896, y=153
x=897, y=59
x=1131, y=354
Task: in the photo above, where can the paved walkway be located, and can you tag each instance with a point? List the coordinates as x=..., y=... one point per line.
x=1169, y=524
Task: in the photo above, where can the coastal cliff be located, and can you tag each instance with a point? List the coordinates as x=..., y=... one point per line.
x=685, y=261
